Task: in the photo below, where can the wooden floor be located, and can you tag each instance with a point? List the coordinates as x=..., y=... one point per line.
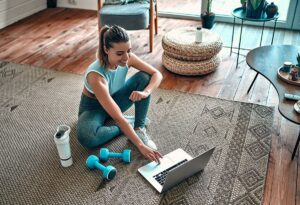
x=66, y=40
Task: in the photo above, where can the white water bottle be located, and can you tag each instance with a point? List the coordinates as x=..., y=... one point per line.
x=198, y=38
x=62, y=141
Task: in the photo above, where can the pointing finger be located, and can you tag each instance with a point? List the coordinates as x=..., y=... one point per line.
x=158, y=154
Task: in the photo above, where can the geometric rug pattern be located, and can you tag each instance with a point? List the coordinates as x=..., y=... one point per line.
x=34, y=101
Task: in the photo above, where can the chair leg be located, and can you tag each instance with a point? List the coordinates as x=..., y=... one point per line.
x=99, y=26
x=99, y=4
x=151, y=25
x=156, y=19
x=151, y=37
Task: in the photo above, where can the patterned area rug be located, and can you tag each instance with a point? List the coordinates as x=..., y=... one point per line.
x=35, y=101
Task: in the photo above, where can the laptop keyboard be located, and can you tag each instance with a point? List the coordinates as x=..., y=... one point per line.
x=161, y=177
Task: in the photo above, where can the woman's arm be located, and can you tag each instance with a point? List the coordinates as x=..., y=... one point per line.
x=156, y=77
x=100, y=88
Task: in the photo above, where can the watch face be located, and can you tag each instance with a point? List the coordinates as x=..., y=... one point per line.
x=297, y=106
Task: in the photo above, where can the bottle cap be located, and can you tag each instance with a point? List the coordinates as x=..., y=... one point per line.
x=62, y=134
x=287, y=63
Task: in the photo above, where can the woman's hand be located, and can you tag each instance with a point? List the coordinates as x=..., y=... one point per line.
x=150, y=154
x=138, y=95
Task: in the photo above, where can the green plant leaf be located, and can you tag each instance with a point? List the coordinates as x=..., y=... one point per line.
x=255, y=3
x=298, y=58
x=209, y=2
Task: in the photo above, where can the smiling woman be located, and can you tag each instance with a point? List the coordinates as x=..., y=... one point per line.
x=106, y=94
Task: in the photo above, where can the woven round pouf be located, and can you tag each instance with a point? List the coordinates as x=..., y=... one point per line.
x=190, y=67
x=180, y=44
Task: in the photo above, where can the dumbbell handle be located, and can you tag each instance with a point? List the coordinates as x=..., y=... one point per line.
x=99, y=166
x=113, y=154
x=104, y=155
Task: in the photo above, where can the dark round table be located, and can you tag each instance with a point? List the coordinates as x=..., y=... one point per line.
x=266, y=60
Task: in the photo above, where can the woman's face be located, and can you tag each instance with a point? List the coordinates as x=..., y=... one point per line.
x=119, y=54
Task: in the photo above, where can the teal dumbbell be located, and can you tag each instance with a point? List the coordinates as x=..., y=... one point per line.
x=105, y=154
x=108, y=172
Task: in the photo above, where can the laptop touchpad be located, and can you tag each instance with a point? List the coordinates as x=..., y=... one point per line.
x=166, y=161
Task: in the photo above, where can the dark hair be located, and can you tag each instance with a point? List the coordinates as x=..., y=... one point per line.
x=108, y=36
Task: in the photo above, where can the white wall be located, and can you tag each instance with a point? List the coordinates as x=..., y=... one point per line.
x=15, y=10
x=80, y=4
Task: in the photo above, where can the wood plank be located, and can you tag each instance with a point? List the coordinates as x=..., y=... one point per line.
x=298, y=180
x=14, y=30
x=285, y=173
x=66, y=46
x=47, y=34
x=275, y=151
x=247, y=78
x=231, y=84
x=260, y=90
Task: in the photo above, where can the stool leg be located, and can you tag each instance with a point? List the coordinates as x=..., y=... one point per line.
x=296, y=146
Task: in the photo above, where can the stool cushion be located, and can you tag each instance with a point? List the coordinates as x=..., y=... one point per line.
x=114, y=2
x=180, y=43
x=131, y=16
x=190, y=67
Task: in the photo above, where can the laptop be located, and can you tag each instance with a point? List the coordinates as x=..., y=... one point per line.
x=174, y=168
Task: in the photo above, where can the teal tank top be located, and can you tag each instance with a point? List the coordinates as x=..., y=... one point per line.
x=115, y=78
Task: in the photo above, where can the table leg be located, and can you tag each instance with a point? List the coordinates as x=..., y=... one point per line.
x=232, y=36
x=296, y=146
x=273, y=31
x=252, y=83
x=262, y=33
x=238, y=54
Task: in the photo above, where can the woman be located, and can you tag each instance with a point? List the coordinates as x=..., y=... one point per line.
x=106, y=94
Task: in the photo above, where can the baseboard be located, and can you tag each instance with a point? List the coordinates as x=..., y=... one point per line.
x=79, y=4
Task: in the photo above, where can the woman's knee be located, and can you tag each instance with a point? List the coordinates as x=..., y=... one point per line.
x=144, y=77
x=91, y=135
x=85, y=136
x=87, y=130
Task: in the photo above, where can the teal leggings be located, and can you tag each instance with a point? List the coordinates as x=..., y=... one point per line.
x=91, y=131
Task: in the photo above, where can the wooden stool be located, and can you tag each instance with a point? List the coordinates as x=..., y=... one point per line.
x=182, y=55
